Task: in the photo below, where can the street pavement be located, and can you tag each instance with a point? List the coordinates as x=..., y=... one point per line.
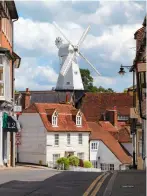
x=39, y=182
x=130, y=183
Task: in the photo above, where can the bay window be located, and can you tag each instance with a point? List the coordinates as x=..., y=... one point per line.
x=1, y=77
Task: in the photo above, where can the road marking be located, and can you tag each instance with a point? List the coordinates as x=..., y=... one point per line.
x=99, y=185
x=93, y=184
x=109, y=187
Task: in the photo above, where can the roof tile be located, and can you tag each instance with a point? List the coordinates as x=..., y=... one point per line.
x=98, y=133
x=65, y=120
x=95, y=104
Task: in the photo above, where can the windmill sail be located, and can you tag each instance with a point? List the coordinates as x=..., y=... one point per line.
x=67, y=63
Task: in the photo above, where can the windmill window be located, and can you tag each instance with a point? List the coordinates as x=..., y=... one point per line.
x=76, y=72
x=67, y=83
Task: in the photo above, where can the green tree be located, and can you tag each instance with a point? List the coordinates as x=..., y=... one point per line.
x=86, y=79
x=88, y=83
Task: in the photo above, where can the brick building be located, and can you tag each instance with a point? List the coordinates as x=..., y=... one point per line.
x=9, y=60
x=139, y=66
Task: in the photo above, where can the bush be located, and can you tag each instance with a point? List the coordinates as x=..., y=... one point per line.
x=40, y=162
x=81, y=163
x=73, y=160
x=65, y=161
x=88, y=164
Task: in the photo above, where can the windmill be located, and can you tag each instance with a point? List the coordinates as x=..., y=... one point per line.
x=69, y=78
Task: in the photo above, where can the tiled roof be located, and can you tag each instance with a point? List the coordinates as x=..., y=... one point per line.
x=65, y=118
x=50, y=96
x=107, y=126
x=124, y=135
x=95, y=104
x=97, y=133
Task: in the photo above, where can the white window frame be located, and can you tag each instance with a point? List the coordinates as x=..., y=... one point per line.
x=55, y=120
x=56, y=139
x=55, y=158
x=80, y=138
x=68, y=139
x=79, y=120
x=111, y=167
x=94, y=145
x=106, y=167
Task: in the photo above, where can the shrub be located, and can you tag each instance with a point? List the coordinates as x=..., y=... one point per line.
x=65, y=161
x=73, y=160
x=88, y=164
x=81, y=163
x=40, y=162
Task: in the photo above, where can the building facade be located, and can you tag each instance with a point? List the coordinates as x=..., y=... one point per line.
x=106, y=152
x=139, y=66
x=9, y=60
x=50, y=131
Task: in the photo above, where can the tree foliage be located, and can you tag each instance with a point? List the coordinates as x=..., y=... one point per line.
x=88, y=83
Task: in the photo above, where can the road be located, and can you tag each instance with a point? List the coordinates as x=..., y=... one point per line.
x=39, y=182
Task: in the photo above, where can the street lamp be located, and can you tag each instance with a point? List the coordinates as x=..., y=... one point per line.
x=133, y=126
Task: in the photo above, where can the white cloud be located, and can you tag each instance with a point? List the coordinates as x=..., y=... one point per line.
x=106, y=9
x=35, y=77
x=36, y=34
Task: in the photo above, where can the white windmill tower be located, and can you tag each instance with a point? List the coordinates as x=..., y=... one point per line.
x=69, y=78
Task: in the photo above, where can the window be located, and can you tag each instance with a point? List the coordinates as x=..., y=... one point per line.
x=139, y=147
x=111, y=166
x=125, y=118
x=55, y=158
x=54, y=120
x=67, y=83
x=94, y=146
x=56, y=139
x=80, y=155
x=80, y=138
x=68, y=138
x=106, y=167
x=78, y=120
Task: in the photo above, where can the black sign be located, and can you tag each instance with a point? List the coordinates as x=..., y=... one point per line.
x=11, y=125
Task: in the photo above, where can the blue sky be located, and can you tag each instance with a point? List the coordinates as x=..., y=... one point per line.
x=108, y=44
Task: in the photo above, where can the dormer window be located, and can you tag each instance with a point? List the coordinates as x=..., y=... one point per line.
x=79, y=119
x=55, y=119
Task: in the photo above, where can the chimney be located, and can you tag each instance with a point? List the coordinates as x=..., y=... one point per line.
x=67, y=97
x=111, y=116
x=27, y=98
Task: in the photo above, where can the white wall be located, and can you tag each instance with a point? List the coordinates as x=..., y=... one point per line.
x=128, y=147
x=33, y=139
x=52, y=149
x=106, y=156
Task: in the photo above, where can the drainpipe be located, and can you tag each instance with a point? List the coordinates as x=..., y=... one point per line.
x=13, y=96
x=134, y=124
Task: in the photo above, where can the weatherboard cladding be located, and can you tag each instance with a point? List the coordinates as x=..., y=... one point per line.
x=53, y=97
